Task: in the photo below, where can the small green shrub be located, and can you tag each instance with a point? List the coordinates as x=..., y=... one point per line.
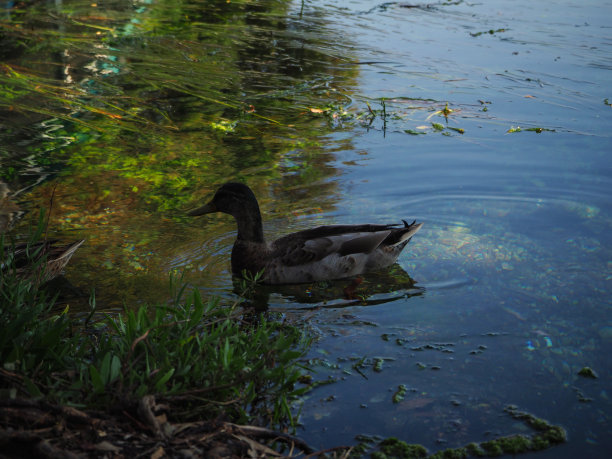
x=205, y=356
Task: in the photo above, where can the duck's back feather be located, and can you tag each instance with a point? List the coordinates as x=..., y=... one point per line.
x=317, y=243
x=334, y=252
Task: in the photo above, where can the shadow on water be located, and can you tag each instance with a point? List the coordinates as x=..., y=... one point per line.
x=370, y=289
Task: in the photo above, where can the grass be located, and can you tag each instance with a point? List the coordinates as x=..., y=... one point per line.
x=206, y=357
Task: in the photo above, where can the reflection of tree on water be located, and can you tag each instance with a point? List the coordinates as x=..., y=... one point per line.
x=369, y=289
x=154, y=105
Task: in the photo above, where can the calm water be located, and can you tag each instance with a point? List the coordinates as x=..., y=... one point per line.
x=515, y=257
x=500, y=299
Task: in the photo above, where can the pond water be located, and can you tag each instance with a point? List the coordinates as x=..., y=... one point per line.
x=489, y=122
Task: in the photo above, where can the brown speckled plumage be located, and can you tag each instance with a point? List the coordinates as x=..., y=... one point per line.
x=322, y=253
x=43, y=261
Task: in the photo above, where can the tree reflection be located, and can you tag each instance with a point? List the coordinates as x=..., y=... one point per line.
x=152, y=106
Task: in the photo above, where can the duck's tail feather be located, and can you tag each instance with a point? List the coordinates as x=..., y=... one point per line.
x=403, y=235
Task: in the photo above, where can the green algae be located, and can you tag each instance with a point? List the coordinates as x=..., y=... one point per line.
x=400, y=393
x=546, y=436
x=588, y=372
x=392, y=447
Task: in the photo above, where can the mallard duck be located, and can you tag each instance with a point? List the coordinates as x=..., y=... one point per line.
x=322, y=253
x=41, y=261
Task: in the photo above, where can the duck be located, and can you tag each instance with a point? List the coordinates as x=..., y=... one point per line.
x=312, y=255
x=41, y=261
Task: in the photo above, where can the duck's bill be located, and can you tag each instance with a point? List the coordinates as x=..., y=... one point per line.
x=205, y=209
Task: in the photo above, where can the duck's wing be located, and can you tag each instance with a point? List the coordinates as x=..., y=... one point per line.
x=317, y=243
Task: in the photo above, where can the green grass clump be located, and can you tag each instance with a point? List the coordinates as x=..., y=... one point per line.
x=203, y=353
x=29, y=331
x=204, y=356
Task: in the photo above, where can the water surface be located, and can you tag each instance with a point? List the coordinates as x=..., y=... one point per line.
x=514, y=258
x=335, y=113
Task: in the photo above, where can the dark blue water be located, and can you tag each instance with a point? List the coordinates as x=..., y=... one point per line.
x=515, y=257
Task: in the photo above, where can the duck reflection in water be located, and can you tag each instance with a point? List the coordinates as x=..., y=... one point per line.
x=374, y=288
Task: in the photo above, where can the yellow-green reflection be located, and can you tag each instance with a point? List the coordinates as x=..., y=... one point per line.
x=152, y=105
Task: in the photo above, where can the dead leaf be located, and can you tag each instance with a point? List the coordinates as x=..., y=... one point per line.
x=107, y=446
x=257, y=447
x=138, y=340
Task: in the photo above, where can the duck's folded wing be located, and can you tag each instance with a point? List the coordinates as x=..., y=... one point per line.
x=315, y=244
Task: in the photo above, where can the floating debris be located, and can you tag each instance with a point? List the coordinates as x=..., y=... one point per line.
x=400, y=394
x=581, y=397
x=490, y=32
x=588, y=372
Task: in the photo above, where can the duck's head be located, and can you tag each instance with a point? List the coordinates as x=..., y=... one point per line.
x=235, y=199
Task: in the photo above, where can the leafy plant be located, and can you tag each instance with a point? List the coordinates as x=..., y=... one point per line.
x=205, y=356
x=30, y=330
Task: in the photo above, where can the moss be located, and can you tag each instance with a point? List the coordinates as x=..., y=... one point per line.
x=537, y=423
x=548, y=435
x=545, y=436
x=474, y=449
x=492, y=448
x=515, y=444
x=539, y=443
x=392, y=447
x=359, y=450
x=554, y=435
x=400, y=394
x=588, y=372
x=451, y=453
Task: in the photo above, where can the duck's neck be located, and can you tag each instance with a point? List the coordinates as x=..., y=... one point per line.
x=250, y=228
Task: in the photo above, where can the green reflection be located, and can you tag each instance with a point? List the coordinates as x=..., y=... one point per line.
x=152, y=105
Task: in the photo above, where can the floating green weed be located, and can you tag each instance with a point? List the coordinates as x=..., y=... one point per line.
x=399, y=395
x=392, y=447
x=537, y=130
x=413, y=132
x=588, y=372
x=489, y=32
x=545, y=436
